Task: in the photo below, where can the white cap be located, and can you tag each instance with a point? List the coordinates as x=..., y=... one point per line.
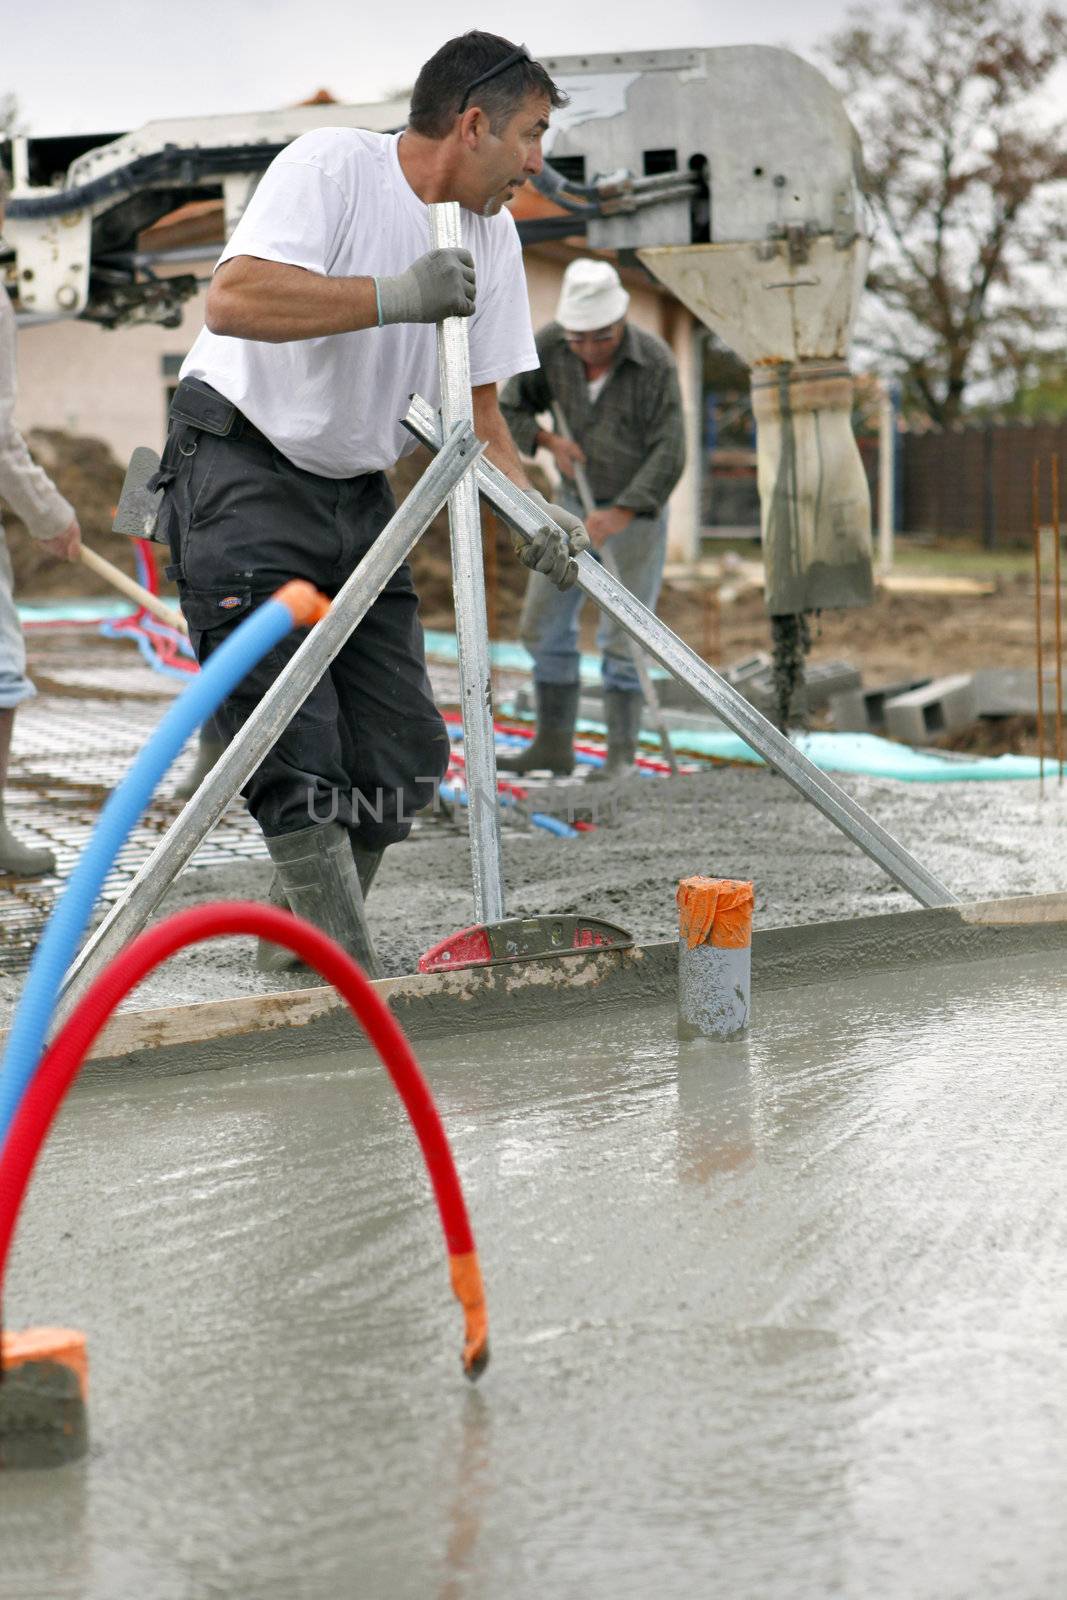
x=591, y=297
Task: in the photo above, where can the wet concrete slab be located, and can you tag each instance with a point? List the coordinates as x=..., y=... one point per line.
x=783, y=1318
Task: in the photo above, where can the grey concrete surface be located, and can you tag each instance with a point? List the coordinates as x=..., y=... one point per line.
x=982, y=839
x=780, y=1319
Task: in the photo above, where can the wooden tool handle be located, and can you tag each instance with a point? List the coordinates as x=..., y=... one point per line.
x=132, y=589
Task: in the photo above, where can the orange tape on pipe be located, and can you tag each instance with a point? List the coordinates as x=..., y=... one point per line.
x=63, y=1347
x=716, y=911
x=468, y=1289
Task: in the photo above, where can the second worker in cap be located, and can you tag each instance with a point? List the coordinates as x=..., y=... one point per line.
x=616, y=386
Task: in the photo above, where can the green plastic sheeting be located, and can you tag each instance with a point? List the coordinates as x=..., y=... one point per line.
x=512, y=656
x=91, y=610
x=865, y=755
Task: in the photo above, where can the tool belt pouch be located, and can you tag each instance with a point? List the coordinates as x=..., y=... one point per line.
x=199, y=406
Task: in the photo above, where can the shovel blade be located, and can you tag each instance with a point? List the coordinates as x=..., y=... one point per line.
x=138, y=505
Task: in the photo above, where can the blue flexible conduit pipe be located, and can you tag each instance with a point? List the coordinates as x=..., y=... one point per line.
x=59, y=942
x=149, y=654
x=540, y=819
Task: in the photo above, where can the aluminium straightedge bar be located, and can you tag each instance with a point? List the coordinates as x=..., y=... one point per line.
x=687, y=667
x=468, y=588
x=289, y=691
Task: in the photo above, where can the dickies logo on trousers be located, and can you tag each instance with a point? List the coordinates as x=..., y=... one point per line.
x=229, y=602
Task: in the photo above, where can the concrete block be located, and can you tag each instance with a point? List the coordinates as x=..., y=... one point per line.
x=822, y=680
x=753, y=677
x=859, y=710
x=677, y=696
x=1012, y=692
x=850, y=711
x=749, y=667
x=941, y=707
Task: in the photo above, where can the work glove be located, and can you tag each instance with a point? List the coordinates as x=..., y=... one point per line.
x=552, y=551
x=439, y=284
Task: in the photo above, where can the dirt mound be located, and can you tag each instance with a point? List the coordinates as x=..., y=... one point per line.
x=88, y=475
x=1000, y=736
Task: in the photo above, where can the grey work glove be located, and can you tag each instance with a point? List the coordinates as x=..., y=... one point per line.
x=552, y=551
x=439, y=284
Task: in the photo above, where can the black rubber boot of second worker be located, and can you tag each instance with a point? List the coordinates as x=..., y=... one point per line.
x=208, y=752
x=622, y=713
x=317, y=874
x=18, y=860
x=553, y=746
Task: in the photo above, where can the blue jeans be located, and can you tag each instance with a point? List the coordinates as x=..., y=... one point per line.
x=15, y=687
x=549, y=623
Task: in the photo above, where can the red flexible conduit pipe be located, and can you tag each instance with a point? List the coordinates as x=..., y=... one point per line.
x=60, y=1063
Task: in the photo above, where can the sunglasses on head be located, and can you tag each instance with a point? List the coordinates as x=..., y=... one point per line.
x=512, y=60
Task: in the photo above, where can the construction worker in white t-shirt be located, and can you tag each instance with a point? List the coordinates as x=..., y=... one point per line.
x=320, y=325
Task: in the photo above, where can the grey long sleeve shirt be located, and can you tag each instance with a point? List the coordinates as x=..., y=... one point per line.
x=24, y=486
x=633, y=434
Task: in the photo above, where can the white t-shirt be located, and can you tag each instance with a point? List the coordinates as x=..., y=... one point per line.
x=336, y=202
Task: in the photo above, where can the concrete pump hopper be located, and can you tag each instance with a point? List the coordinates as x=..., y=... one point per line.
x=735, y=176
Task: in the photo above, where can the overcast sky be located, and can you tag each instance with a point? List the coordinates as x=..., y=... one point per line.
x=85, y=68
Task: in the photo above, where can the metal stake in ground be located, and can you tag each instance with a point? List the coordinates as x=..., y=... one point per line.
x=1035, y=514
x=641, y=624
x=644, y=677
x=1057, y=592
x=468, y=587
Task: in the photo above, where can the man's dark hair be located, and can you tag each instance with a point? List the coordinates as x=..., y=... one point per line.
x=442, y=84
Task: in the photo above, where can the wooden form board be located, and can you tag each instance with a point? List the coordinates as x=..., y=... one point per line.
x=523, y=993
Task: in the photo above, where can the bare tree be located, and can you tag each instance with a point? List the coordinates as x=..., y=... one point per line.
x=10, y=122
x=966, y=161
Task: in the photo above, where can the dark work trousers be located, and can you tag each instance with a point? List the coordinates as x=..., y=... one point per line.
x=368, y=745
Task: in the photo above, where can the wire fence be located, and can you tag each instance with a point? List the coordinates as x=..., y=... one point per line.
x=974, y=482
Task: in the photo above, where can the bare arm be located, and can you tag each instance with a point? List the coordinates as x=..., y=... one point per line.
x=545, y=553
x=489, y=425
x=274, y=302
x=251, y=298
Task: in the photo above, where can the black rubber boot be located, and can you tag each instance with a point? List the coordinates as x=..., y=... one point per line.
x=272, y=957
x=275, y=957
x=209, y=751
x=553, y=747
x=18, y=860
x=367, y=864
x=317, y=875
x=622, y=713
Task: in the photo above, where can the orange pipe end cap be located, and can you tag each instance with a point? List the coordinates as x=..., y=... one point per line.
x=468, y=1289
x=64, y=1347
x=43, y=1395
x=716, y=911
x=476, y=1352
x=305, y=602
